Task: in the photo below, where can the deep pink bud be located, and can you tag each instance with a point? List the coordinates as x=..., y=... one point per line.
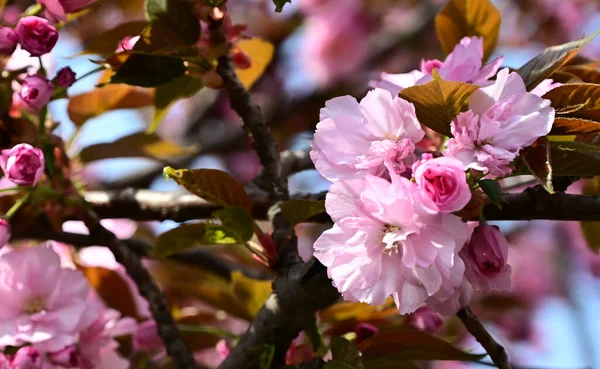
x=35, y=93
x=36, y=35
x=68, y=357
x=65, y=77
x=4, y=235
x=427, y=66
x=425, y=319
x=485, y=258
x=127, y=44
x=364, y=331
x=4, y=362
x=223, y=349
x=8, y=40
x=23, y=164
x=146, y=337
x=27, y=358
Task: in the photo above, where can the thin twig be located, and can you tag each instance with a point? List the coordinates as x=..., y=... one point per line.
x=167, y=329
x=494, y=349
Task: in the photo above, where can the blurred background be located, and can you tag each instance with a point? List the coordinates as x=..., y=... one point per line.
x=327, y=48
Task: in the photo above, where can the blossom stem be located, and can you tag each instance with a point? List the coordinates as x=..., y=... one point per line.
x=19, y=204
x=32, y=10
x=494, y=349
x=93, y=71
x=42, y=121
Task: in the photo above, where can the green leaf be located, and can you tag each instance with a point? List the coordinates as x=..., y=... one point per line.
x=574, y=159
x=177, y=15
x=554, y=57
x=345, y=352
x=537, y=159
x=179, y=88
x=493, y=190
x=406, y=343
x=148, y=70
x=94, y=103
x=213, y=185
x=137, y=145
x=279, y=4
x=266, y=356
x=465, y=18
x=237, y=225
x=108, y=41
x=298, y=211
x=180, y=239
x=438, y=102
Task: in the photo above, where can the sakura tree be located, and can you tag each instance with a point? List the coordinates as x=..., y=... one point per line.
x=414, y=250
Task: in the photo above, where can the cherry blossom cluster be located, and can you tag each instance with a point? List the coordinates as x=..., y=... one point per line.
x=396, y=232
x=51, y=318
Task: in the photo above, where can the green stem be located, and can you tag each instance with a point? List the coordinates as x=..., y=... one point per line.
x=20, y=202
x=12, y=189
x=42, y=121
x=32, y=10
x=204, y=329
x=42, y=70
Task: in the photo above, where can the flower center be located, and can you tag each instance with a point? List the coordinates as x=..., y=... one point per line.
x=35, y=305
x=393, y=245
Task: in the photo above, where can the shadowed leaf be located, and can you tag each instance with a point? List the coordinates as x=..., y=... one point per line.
x=108, y=41
x=406, y=343
x=100, y=100
x=465, y=18
x=112, y=289
x=591, y=230
x=389, y=362
x=546, y=63
x=137, y=145
x=579, y=100
x=438, y=102
x=298, y=211
x=571, y=159
x=213, y=185
x=237, y=225
x=345, y=355
x=493, y=191
x=537, y=159
x=260, y=52
x=180, y=239
x=167, y=94
x=175, y=15
x=279, y=4
x=584, y=73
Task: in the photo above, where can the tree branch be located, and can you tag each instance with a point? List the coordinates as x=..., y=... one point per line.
x=493, y=348
x=167, y=329
x=145, y=205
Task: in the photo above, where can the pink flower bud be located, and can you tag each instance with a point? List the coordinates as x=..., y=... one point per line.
x=444, y=181
x=241, y=60
x=36, y=35
x=27, y=358
x=427, y=66
x=4, y=362
x=127, y=44
x=364, y=331
x=65, y=77
x=485, y=258
x=223, y=349
x=35, y=93
x=146, y=338
x=8, y=40
x=425, y=319
x=68, y=357
x=23, y=164
x=4, y=234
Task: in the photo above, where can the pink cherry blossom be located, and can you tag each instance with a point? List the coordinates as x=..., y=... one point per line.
x=425, y=319
x=43, y=303
x=376, y=137
x=335, y=44
x=375, y=251
x=68, y=357
x=36, y=35
x=545, y=86
x=23, y=164
x=502, y=119
x=4, y=362
x=485, y=257
x=34, y=94
x=8, y=40
x=27, y=357
x=146, y=337
x=4, y=232
x=444, y=181
x=58, y=9
x=464, y=64
x=364, y=331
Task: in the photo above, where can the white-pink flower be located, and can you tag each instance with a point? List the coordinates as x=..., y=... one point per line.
x=43, y=304
x=501, y=120
x=387, y=241
x=464, y=64
x=376, y=137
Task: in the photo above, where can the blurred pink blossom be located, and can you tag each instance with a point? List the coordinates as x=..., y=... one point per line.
x=23, y=164
x=425, y=319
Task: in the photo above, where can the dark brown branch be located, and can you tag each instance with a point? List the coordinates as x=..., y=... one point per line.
x=493, y=348
x=167, y=329
x=144, y=205
x=254, y=124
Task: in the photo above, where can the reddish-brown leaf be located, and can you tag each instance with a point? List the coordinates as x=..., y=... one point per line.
x=537, y=159
x=570, y=126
